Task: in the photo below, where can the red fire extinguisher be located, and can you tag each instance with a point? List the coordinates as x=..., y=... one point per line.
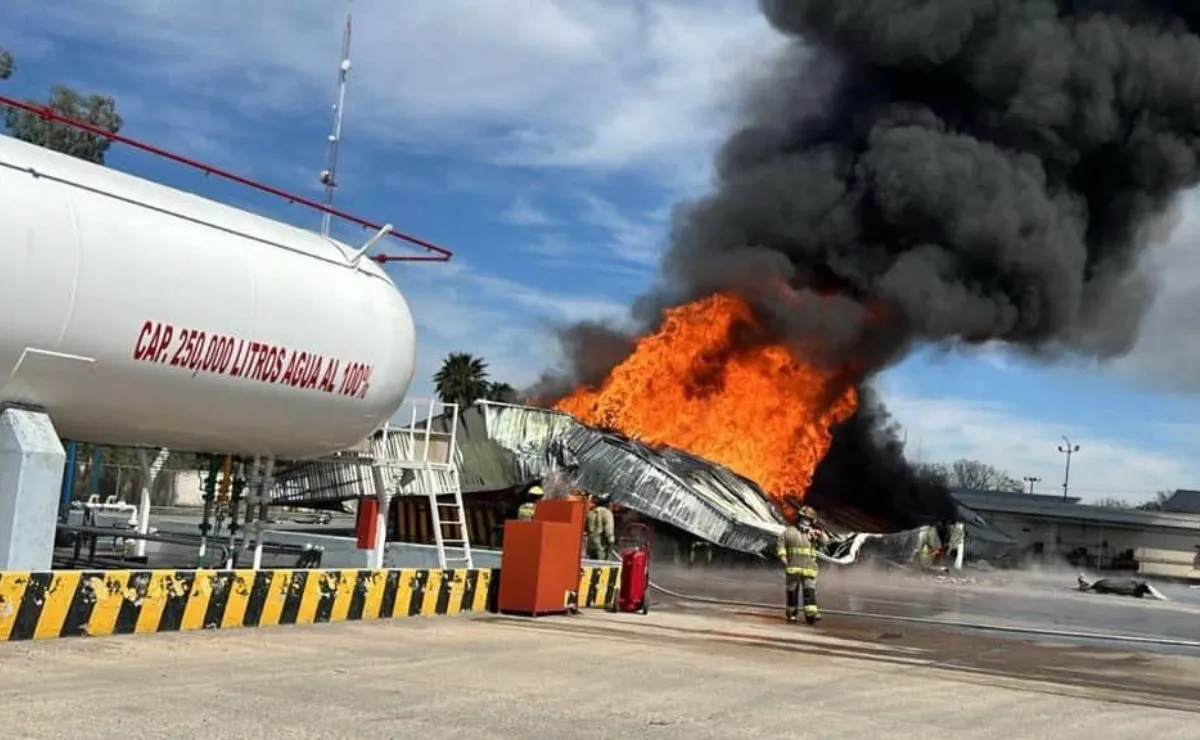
x=633, y=595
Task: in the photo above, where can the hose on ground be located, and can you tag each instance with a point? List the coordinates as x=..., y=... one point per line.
x=1031, y=631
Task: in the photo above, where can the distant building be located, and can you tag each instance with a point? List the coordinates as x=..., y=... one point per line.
x=1152, y=542
x=1183, y=501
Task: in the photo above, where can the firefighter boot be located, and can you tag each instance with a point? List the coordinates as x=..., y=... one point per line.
x=793, y=602
x=812, y=614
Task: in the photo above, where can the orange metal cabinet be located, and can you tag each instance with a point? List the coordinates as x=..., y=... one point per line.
x=572, y=511
x=539, y=568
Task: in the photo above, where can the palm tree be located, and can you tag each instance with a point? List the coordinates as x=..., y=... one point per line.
x=462, y=379
x=502, y=392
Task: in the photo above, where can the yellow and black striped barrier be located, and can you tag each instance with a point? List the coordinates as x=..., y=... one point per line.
x=70, y=603
x=51, y=604
x=598, y=585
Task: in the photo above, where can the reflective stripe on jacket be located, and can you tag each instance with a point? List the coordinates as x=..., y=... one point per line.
x=525, y=512
x=795, y=548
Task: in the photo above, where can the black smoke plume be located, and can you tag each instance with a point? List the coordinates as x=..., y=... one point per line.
x=946, y=172
x=865, y=482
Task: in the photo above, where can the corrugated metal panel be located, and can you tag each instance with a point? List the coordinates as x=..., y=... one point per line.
x=670, y=486
x=322, y=482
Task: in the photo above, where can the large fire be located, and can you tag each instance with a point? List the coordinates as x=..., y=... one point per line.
x=707, y=383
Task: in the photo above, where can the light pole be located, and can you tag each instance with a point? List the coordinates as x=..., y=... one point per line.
x=1067, y=449
x=1031, y=479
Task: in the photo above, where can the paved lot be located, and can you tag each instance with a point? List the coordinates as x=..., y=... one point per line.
x=1043, y=600
x=676, y=673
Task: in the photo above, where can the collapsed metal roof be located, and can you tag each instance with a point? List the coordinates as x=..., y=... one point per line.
x=505, y=446
x=671, y=486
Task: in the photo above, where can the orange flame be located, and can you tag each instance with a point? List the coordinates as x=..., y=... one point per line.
x=703, y=384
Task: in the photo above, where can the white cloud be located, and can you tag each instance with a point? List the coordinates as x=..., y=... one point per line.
x=459, y=309
x=567, y=83
x=945, y=429
x=637, y=239
x=521, y=212
x=594, y=237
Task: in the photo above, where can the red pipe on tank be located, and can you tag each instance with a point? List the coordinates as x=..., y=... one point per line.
x=439, y=254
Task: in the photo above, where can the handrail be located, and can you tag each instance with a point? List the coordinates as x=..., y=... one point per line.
x=437, y=254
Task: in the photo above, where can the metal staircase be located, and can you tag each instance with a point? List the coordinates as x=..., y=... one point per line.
x=421, y=459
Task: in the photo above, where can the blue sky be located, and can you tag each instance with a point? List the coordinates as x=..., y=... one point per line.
x=545, y=149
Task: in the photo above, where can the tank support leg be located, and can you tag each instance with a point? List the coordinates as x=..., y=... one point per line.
x=262, y=497
x=381, y=515
x=31, y=473
x=149, y=473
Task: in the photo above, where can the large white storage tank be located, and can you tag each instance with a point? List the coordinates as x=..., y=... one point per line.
x=137, y=314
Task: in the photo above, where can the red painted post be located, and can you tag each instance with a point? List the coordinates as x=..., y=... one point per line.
x=366, y=525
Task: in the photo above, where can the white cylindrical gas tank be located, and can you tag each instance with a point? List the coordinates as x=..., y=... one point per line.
x=137, y=314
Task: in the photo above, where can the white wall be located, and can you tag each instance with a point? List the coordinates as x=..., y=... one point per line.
x=185, y=488
x=1102, y=541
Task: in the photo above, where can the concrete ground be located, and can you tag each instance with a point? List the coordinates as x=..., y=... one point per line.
x=1046, y=599
x=678, y=673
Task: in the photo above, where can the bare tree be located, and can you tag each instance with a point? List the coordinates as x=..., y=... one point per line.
x=1110, y=502
x=1155, y=504
x=979, y=476
x=936, y=472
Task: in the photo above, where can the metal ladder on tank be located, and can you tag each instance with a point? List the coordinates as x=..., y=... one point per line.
x=452, y=515
x=431, y=455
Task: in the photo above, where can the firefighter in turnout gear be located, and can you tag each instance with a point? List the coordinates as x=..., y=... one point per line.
x=796, y=550
x=525, y=511
x=600, y=528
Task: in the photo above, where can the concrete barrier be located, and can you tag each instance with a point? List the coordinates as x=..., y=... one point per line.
x=1181, y=564
x=43, y=605
x=598, y=585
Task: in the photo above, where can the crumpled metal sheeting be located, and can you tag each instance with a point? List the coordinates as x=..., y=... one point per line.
x=670, y=486
x=347, y=477
x=535, y=437
x=725, y=488
x=344, y=476
x=634, y=476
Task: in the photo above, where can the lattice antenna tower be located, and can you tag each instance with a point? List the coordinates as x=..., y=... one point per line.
x=329, y=174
